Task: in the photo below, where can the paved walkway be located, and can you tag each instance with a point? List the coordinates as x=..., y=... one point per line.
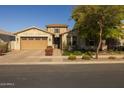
x=57, y=52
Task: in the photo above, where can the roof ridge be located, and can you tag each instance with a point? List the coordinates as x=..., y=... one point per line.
x=31, y=28
x=57, y=25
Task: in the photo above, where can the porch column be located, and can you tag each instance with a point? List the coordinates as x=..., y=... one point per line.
x=71, y=40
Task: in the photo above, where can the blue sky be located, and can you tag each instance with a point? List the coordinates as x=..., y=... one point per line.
x=15, y=18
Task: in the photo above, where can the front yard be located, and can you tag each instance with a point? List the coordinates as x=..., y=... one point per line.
x=38, y=56
x=83, y=55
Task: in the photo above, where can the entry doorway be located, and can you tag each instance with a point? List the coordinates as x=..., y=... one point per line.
x=57, y=42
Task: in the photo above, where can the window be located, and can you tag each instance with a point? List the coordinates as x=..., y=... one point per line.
x=30, y=38
x=37, y=38
x=91, y=42
x=44, y=38
x=56, y=30
x=24, y=38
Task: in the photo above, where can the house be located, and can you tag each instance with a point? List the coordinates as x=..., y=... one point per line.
x=90, y=44
x=6, y=38
x=55, y=35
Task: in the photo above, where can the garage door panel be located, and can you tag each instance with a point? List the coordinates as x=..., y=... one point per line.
x=34, y=42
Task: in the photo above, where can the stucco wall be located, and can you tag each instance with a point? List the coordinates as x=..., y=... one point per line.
x=64, y=36
x=62, y=30
x=32, y=33
x=64, y=41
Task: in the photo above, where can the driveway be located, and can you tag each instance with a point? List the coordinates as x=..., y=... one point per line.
x=22, y=56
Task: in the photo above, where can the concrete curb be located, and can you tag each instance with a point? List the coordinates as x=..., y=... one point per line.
x=62, y=63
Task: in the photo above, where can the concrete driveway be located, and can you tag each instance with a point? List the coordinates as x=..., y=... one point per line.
x=22, y=56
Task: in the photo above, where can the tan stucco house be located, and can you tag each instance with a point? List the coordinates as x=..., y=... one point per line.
x=55, y=35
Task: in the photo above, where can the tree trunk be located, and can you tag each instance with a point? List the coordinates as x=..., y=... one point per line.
x=100, y=39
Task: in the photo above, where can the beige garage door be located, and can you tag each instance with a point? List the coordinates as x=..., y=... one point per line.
x=34, y=42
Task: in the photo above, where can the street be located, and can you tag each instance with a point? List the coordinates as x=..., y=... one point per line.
x=62, y=76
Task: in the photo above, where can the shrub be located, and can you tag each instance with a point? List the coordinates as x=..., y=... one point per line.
x=77, y=52
x=111, y=57
x=89, y=53
x=65, y=52
x=49, y=51
x=72, y=57
x=86, y=56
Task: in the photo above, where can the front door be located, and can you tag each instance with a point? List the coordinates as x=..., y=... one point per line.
x=57, y=42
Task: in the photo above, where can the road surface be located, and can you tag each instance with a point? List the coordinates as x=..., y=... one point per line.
x=62, y=76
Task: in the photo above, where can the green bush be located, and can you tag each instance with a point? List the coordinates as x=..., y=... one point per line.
x=72, y=57
x=77, y=53
x=66, y=52
x=86, y=56
x=89, y=53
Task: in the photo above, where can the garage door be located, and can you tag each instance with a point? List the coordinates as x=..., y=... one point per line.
x=34, y=42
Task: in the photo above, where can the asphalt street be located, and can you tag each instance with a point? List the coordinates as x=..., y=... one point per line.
x=62, y=76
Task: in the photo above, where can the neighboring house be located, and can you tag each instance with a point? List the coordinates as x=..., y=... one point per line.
x=90, y=44
x=80, y=42
x=6, y=36
x=55, y=35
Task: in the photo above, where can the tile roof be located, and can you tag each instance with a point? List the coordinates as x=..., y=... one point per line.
x=57, y=25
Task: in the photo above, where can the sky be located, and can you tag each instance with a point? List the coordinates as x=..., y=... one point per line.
x=15, y=18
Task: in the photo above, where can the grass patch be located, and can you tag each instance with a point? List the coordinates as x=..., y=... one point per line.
x=67, y=53
x=78, y=52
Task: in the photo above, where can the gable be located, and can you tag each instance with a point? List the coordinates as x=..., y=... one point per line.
x=32, y=32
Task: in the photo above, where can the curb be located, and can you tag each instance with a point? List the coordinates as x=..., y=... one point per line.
x=60, y=63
